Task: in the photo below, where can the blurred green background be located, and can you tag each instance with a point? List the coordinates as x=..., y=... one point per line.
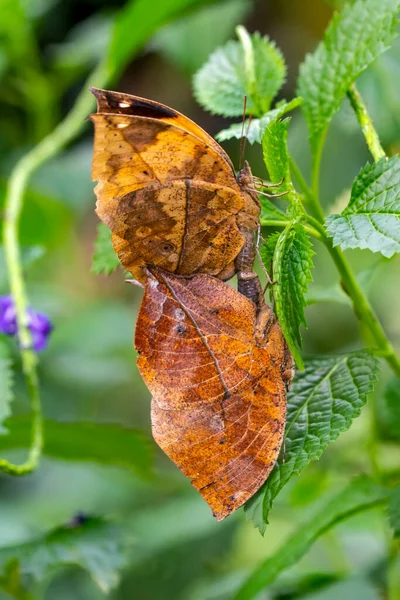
x=88, y=372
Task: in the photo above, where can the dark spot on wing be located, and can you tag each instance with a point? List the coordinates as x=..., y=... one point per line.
x=111, y=102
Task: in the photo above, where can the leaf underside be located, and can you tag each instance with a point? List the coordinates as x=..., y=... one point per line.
x=371, y=220
x=254, y=129
x=96, y=545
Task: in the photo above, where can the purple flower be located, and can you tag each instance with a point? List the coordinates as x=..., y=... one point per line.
x=38, y=324
x=8, y=317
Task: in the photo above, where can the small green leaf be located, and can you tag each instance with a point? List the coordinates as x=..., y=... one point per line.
x=353, y=40
x=394, y=511
x=104, y=443
x=254, y=129
x=270, y=212
x=292, y=272
x=276, y=158
x=371, y=220
x=104, y=258
x=392, y=406
x=322, y=402
x=254, y=68
x=360, y=495
x=267, y=250
x=6, y=384
x=96, y=545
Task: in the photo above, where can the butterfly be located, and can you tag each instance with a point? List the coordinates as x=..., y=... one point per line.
x=168, y=191
x=218, y=371
x=213, y=358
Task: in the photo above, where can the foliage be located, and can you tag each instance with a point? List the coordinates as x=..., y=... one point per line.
x=292, y=264
x=97, y=452
x=371, y=220
x=104, y=258
x=254, y=129
x=77, y=441
x=276, y=158
x=253, y=67
x=322, y=402
x=95, y=545
x=361, y=494
x=353, y=40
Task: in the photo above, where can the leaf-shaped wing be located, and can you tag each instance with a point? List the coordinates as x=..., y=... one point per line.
x=125, y=104
x=218, y=407
x=162, y=182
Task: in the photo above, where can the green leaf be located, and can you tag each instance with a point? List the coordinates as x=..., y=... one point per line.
x=6, y=384
x=276, y=158
x=104, y=258
x=392, y=406
x=322, y=402
x=103, y=443
x=292, y=272
x=270, y=212
x=267, y=250
x=394, y=511
x=360, y=495
x=96, y=545
x=254, y=68
x=189, y=41
x=371, y=220
x=254, y=129
x=353, y=40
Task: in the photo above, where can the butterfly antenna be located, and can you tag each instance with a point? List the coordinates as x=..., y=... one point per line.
x=242, y=138
x=245, y=139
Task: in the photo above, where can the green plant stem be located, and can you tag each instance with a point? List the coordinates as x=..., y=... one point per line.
x=298, y=175
x=362, y=307
x=314, y=232
x=366, y=123
x=314, y=204
x=18, y=182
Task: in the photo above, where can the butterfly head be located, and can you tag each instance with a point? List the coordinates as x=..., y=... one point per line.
x=245, y=176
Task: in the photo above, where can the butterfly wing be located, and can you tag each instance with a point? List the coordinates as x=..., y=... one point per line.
x=163, y=170
x=118, y=103
x=218, y=399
